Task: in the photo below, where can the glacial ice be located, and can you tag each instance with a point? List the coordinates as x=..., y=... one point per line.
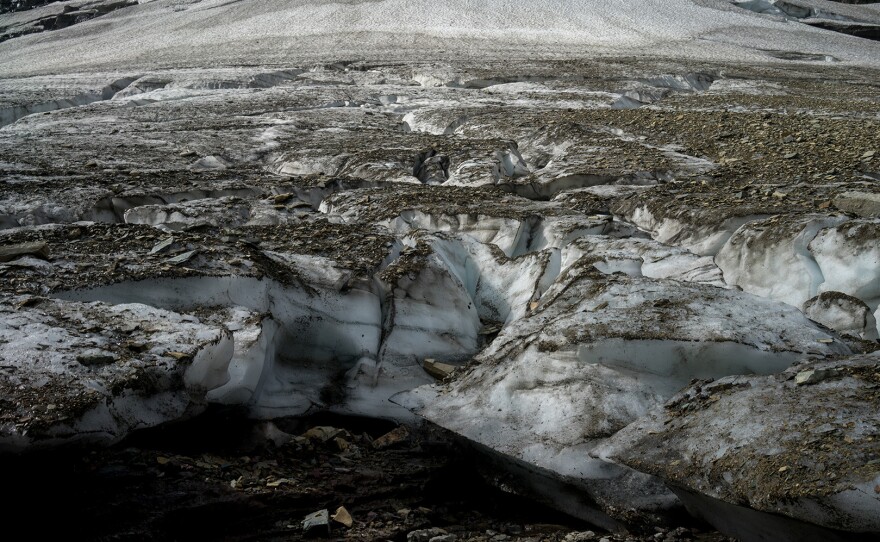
x=733, y=442
x=705, y=29
x=95, y=372
x=528, y=230
x=597, y=352
x=755, y=254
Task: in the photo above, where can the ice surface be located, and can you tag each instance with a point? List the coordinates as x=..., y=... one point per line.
x=849, y=256
x=771, y=257
x=598, y=352
x=92, y=372
x=215, y=31
x=769, y=443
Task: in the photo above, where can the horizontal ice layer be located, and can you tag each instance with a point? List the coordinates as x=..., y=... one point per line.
x=748, y=452
x=596, y=353
x=642, y=258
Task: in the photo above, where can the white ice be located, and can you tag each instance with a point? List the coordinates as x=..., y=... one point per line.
x=216, y=32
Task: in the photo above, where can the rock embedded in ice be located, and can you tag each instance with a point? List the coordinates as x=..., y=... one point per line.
x=843, y=313
x=865, y=204
x=761, y=447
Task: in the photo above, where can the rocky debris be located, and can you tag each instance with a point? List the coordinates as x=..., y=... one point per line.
x=337, y=224
x=210, y=464
x=426, y=535
x=246, y=251
x=225, y=212
x=813, y=465
x=514, y=224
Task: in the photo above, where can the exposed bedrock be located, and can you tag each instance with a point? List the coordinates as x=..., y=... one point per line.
x=759, y=456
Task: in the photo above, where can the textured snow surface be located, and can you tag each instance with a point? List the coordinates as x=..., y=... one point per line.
x=183, y=33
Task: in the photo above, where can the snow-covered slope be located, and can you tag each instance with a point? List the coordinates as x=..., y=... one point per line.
x=175, y=32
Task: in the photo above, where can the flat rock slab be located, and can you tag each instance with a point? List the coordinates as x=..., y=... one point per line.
x=12, y=252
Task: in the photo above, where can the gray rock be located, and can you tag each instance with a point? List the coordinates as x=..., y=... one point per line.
x=317, y=523
x=93, y=357
x=864, y=204
x=12, y=252
x=425, y=535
